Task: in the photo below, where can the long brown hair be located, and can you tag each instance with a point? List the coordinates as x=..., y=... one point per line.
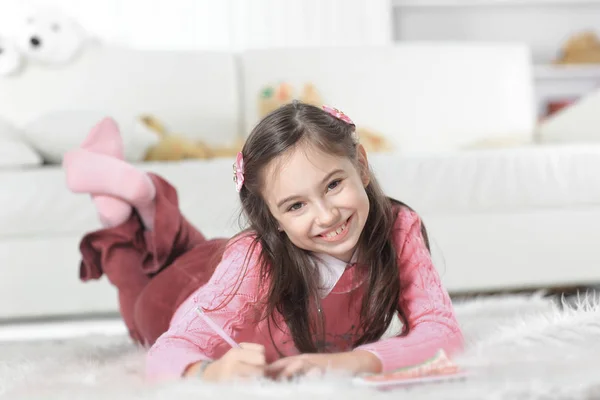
x=289, y=271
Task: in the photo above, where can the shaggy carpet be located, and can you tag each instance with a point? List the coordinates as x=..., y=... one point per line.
x=518, y=347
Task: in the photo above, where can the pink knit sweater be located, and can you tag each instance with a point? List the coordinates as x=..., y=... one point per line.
x=425, y=302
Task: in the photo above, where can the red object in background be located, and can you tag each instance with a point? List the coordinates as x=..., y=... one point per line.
x=554, y=106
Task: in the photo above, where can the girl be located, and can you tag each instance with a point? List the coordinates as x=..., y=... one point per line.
x=314, y=282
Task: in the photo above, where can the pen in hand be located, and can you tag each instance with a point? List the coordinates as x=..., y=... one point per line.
x=218, y=330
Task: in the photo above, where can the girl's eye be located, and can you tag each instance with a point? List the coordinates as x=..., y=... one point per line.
x=334, y=184
x=295, y=207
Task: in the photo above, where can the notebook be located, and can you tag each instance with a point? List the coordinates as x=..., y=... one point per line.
x=438, y=368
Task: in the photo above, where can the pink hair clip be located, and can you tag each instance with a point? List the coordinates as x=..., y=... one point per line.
x=238, y=171
x=338, y=114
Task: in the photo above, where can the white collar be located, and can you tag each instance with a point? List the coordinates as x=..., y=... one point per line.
x=331, y=270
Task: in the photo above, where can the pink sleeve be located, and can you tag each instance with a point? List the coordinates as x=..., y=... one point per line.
x=189, y=339
x=425, y=302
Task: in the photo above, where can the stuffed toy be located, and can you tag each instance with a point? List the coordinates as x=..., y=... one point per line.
x=310, y=95
x=373, y=141
x=11, y=60
x=174, y=147
x=273, y=97
x=582, y=48
x=46, y=37
x=49, y=37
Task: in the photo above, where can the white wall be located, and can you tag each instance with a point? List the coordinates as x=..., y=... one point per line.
x=222, y=24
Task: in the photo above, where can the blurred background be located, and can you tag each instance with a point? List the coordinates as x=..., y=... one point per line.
x=235, y=25
x=483, y=115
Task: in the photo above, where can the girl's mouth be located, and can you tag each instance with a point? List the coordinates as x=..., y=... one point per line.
x=338, y=233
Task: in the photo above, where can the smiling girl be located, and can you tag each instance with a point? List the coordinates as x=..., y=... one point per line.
x=326, y=263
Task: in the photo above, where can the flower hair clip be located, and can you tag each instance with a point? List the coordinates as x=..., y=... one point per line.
x=238, y=172
x=338, y=114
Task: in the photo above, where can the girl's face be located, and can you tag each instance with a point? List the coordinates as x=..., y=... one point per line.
x=318, y=199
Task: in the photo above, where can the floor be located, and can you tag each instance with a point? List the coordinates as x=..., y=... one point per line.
x=519, y=347
x=48, y=330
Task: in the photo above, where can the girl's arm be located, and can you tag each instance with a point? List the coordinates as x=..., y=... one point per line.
x=425, y=302
x=189, y=339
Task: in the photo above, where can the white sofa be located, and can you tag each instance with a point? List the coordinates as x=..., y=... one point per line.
x=499, y=218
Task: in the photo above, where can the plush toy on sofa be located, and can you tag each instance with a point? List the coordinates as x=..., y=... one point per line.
x=50, y=37
x=582, y=48
x=174, y=147
x=46, y=37
x=273, y=97
x=11, y=60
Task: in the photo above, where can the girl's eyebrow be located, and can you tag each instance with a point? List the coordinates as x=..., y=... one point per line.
x=289, y=198
x=327, y=177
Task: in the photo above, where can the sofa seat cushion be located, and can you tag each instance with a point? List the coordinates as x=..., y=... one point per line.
x=511, y=180
x=36, y=202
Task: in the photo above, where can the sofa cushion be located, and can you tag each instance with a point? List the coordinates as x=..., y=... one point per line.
x=57, y=132
x=14, y=151
x=194, y=94
x=495, y=180
x=36, y=202
x=422, y=96
x=577, y=123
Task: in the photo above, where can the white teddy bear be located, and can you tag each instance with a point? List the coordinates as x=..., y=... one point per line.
x=11, y=60
x=50, y=37
x=45, y=36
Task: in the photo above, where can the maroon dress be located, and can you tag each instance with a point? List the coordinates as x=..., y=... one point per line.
x=154, y=272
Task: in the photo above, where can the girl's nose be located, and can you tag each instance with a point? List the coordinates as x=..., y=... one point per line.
x=328, y=215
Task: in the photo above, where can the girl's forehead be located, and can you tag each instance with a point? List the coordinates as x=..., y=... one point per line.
x=301, y=169
x=304, y=161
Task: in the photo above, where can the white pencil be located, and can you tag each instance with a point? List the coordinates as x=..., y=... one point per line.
x=218, y=330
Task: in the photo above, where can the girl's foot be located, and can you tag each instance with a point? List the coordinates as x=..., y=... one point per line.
x=104, y=138
x=94, y=173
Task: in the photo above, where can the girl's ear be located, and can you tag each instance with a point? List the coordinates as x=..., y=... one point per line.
x=363, y=163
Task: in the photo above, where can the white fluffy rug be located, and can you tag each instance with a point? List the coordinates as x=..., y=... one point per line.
x=519, y=347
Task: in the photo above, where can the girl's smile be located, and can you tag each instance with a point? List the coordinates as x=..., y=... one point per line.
x=338, y=233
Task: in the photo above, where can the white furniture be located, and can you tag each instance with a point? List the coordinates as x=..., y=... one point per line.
x=498, y=218
x=545, y=25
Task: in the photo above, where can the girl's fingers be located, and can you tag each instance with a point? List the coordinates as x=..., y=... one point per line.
x=277, y=366
x=248, y=356
x=295, y=368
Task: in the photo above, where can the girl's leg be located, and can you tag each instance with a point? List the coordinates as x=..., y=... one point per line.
x=161, y=297
x=117, y=252
x=131, y=256
x=125, y=250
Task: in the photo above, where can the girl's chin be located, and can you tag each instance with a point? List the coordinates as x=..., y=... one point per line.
x=343, y=252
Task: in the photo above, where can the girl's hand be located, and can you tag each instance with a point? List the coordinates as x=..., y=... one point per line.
x=301, y=365
x=353, y=362
x=245, y=362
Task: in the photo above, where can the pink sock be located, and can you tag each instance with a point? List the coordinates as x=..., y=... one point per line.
x=104, y=138
x=93, y=173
